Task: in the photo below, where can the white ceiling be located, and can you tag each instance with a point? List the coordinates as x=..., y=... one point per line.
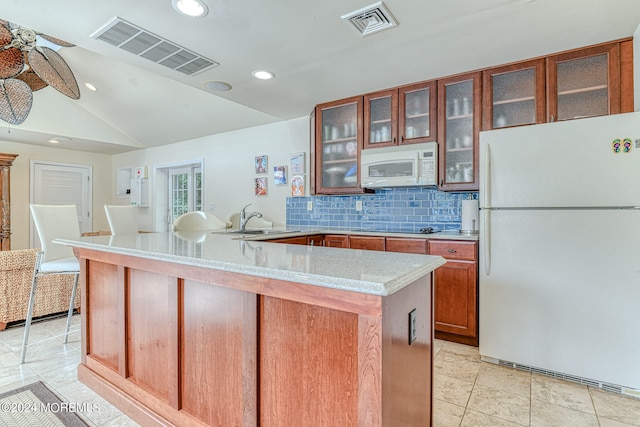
x=315, y=55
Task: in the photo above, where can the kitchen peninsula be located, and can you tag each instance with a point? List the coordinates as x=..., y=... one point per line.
x=204, y=329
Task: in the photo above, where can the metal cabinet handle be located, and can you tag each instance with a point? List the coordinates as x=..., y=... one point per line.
x=451, y=251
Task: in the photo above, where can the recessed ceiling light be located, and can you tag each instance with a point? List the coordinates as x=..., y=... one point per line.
x=263, y=75
x=91, y=87
x=217, y=86
x=194, y=8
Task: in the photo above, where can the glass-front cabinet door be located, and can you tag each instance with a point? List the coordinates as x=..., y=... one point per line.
x=584, y=83
x=418, y=113
x=338, y=143
x=458, y=127
x=406, y=115
x=381, y=119
x=514, y=95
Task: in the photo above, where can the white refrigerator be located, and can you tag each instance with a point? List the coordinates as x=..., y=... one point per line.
x=560, y=249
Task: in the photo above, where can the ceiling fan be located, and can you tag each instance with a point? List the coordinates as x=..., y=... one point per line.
x=26, y=66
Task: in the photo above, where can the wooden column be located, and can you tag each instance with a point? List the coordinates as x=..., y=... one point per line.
x=5, y=205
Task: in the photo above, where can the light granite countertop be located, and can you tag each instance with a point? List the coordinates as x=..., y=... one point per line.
x=369, y=272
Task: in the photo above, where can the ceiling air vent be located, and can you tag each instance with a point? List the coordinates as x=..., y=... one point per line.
x=371, y=19
x=140, y=42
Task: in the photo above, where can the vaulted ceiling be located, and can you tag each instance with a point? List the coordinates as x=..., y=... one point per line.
x=315, y=55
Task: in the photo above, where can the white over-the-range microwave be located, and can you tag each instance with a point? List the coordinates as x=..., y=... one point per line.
x=399, y=166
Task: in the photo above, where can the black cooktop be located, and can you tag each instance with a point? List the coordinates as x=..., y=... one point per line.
x=428, y=230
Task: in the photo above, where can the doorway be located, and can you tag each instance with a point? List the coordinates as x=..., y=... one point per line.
x=179, y=190
x=62, y=184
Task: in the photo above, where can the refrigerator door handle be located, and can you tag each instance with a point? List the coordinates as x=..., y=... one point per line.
x=485, y=226
x=486, y=177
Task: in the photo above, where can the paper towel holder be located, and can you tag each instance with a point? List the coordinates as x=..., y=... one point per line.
x=470, y=232
x=470, y=223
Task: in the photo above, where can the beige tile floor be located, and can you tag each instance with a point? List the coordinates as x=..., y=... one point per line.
x=467, y=391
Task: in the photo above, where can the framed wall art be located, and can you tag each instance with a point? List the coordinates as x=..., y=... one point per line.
x=261, y=186
x=297, y=164
x=280, y=175
x=261, y=164
x=297, y=185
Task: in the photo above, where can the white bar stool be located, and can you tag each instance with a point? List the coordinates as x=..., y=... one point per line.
x=122, y=219
x=52, y=222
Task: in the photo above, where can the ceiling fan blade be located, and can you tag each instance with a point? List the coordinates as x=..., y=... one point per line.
x=57, y=41
x=5, y=33
x=54, y=71
x=11, y=62
x=15, y=101
x=29, y=76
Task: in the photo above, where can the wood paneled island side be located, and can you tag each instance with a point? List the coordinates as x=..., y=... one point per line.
x=208, y=330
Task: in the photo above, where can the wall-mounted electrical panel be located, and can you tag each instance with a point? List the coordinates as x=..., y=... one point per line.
x=140, y=192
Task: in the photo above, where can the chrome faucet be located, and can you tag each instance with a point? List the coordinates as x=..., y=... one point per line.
x=244, y=218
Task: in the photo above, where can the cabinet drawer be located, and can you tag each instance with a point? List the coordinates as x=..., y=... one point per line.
x=453, y=249
x=406, y=245
x=371, y=243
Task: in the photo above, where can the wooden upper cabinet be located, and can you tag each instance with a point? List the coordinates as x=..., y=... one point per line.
x=459, y=110
x=312, y=152
x=514, y=95
x=584, y=83
x=405, y=115
x=338, y=141
x=381, y=119
x=417, y=113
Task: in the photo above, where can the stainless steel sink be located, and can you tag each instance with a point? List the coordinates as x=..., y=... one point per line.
x=248, y=231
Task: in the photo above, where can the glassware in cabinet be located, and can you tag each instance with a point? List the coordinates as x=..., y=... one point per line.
x=513, y=95
x=459, y=124
x=418, y=113
x=381, y=118
x=338, y=141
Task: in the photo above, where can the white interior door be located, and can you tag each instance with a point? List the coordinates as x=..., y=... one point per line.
x=62, y=184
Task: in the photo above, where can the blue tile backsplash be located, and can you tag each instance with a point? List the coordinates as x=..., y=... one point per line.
x=399, y=210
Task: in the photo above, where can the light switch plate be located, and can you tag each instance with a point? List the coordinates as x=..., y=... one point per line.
x=309, y=205
x=359, y=205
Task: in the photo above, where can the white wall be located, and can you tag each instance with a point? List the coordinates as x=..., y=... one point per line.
x=20, y=184
x=228, y=168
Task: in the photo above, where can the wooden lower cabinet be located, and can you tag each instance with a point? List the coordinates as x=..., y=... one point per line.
x=456, y=291
x=372, y=243
x=455, y=283
x=300, y=240
x=406, y=245
x=225, y=349
x=315, y=240
x=336, y=240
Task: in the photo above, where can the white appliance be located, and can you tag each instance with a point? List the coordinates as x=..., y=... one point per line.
x=399, y=166
x=560, y=249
